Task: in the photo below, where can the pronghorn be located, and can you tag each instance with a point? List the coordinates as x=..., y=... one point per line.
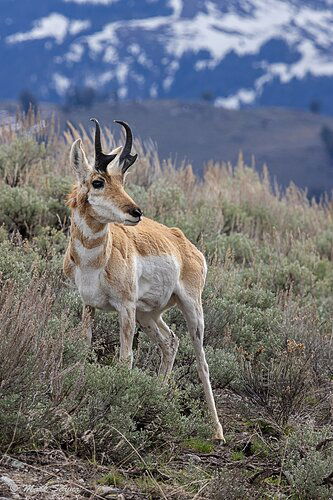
x=120, y=260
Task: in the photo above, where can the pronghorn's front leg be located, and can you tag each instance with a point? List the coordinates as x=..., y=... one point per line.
x=127, y=330
x=88, y=314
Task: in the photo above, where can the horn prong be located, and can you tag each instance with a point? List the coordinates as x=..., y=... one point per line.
x=126, y=158
x=101, y=160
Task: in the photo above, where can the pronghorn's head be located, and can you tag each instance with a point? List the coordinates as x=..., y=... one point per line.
x=101, y=186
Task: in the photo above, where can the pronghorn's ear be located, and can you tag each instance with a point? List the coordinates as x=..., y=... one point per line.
x=114, y=167
x=79, y=162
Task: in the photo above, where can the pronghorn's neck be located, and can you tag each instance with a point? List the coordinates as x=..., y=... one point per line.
x=90, y=240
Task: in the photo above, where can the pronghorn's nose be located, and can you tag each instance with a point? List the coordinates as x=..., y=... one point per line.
x=135, y=212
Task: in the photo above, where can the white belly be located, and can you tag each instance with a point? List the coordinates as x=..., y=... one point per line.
x=158, y=277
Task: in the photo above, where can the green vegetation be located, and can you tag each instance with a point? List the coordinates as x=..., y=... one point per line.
x=268, y=311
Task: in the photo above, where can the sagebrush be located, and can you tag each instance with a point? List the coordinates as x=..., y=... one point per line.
x=268, y=308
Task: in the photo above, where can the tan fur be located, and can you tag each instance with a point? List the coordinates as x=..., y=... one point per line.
x=139, y=270
x=148, y=238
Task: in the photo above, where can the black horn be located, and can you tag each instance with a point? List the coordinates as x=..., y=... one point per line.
x=126, y=158
x=101, y=160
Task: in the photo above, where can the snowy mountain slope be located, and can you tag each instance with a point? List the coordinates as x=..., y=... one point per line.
x=239, y=52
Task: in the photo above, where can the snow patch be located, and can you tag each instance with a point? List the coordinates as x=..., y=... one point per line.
x=167, y=82
x=76, y=26
x=121, y=72
x=111, y=55
x=220, y=33
x=61, y=83
x=122, y=92
x=311, y=62
x=243, y=96
x=177, y=7
x=153, y=91
x=105, y=77
x=144, y=61
x=75, y=53
x=53, y=26
x=204, y=64
x=134, y=49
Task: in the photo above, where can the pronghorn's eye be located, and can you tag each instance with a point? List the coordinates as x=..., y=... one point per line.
x=98, y=184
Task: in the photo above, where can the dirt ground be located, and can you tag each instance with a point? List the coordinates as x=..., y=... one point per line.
x=53, y=476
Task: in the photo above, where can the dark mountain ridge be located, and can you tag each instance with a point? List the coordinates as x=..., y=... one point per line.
x=288, y=141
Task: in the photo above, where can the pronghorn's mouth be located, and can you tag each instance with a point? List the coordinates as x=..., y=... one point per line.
x=128, y=222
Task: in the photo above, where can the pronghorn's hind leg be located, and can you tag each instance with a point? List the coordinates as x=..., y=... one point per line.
x=192, y=310
x=159, y=333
